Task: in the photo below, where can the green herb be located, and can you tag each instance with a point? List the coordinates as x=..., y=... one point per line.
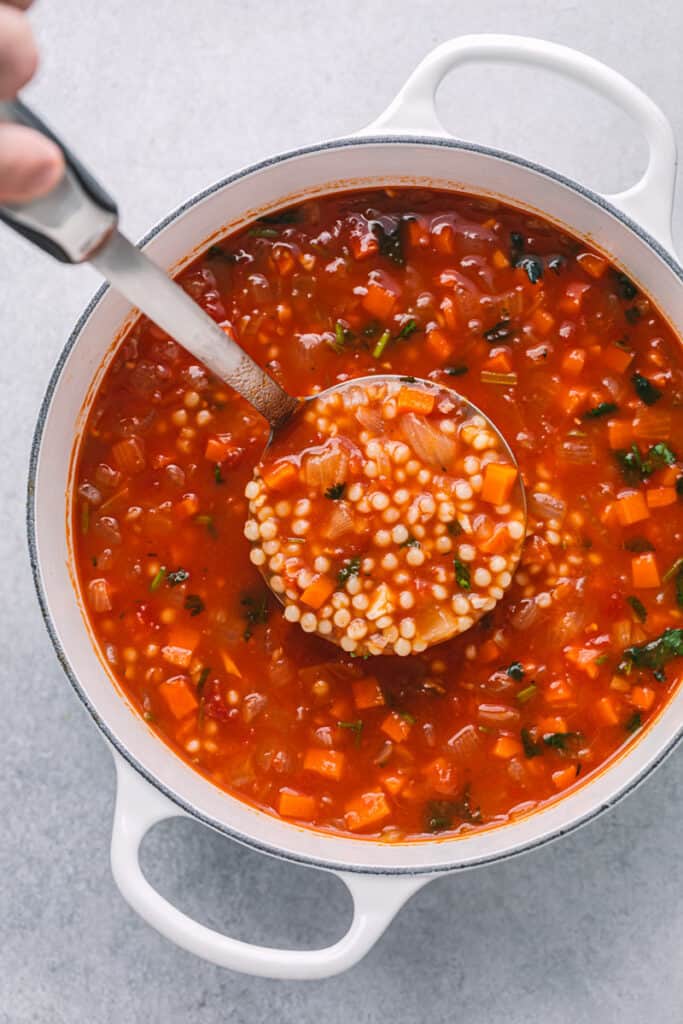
x=602, y=659
x=533, y=267
x=638, y=545
x=94, y=562
x=462, y=574
x=255, y=612
x=390, y=242
x=660, y=455
x=627, y=289
x=356, y=728
x=638, y=607
x=258, y=232
x=176, y=577
x=516, y=245
x=560, y=740
x=407, y=329
x=371, y=330
x=217, y=475
x=633, y=723
x=411, y=542
x=407, y=717
x=556, y=262
x=158, y=579
x=631, y=464
x=531, y=749
x=208, y=522
x=657, y=653
x=602, y=409
x=499, y=332
x=645, y=389
x=217, y=252
x=456, y=371
x=515, y=671
x=632, y=314
x=194, y=604
x=291, y=216
x=335, y=492
x=442, y=814
x=341, y=336
x=454, y=528
x=384, y=340
x=407, y=380
x=675, y=573
x=349, y=569
x=201, y=682
x=527, y=693
x=679, y=487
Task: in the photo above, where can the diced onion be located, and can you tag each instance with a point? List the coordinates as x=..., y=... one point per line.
x=98, y=595
x=466, y=744
x=326, y=466
x=339, y=522
x=428, y=443
x=547, y=506
x=525, y=614
x=435, y=624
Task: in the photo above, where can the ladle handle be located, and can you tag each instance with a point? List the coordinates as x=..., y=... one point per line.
x=77, y=221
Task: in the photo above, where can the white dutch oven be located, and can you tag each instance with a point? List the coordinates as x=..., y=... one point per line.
x=406, y=145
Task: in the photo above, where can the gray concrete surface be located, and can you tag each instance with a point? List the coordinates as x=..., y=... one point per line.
x=164, y=97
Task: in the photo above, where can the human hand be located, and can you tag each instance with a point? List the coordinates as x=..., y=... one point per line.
x=30, y=164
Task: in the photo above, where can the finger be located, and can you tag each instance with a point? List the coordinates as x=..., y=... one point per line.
x=30, y=164
x=22, y=4
x=18, y=54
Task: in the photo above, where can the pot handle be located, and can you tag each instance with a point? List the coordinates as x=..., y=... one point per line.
x=376, y=899
x=649, y=201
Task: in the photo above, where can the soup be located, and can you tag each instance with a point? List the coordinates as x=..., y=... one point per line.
x=584, y=379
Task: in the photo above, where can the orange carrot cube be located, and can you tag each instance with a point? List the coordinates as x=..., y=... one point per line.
x=328, y=763
x=379, y=301
x=606, y=711
x=367, y=693
x=643, y=697
x=644, y=570
x=280, y=475
x=297, y=805
x=573, y=361
x=507, y=747
x=396, y=726
x=617, y=359
x=631, y=507
x=499, y=479
x=660, y=497
x=365, y=810
x=317, y=592
x=619, y=434
x=178, y=695
x=595, y=266
x=564, y=777
x=414, y=400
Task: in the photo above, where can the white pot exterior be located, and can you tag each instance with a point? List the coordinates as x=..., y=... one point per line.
x=357, y=163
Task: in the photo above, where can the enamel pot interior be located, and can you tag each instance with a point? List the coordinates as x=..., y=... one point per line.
x=346, y=164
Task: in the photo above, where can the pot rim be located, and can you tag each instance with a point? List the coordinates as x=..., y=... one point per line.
x=36, y=443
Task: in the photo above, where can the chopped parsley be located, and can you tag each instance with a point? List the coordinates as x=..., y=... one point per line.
x=531, y=749
x=645, y=389
x=335, y=492
x=462, y=574
x=263, y=232
x=602, y=409
x=217, y=475
x=638, y=607
x=636, y=467
x=560, y=740
x=356, y=728
x=407, y=329
x=634, y=722
x=411, y=542
x=291, y=216
x=515, y=671
x=208, y=522
x=255, y=612
x=201, y=682
x=456, y=371
x=632, y=314
x=176, y=577
x=638, y=545
x=626, y=287
x=408, y=380
x=675, y=573
x=533, y=267
x=349, y=569
x=194, y=604
x=657, y=653
x=454, y=528
x=501, y=331
x=390, y=242
x=556, y=262
x=443, y=814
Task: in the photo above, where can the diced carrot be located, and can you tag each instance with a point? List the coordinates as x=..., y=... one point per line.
x=564, y=777
x=653, y=425
x=187, y=507
x=506, y=747
x=572, y=398
x=595, y=266
x=317, y=592
x=365, y=810
x=229, y=665
x=393, y=782
x=367, y=693
x=218, y=447
x=552, y=723
x=363, y=245
x=500, y=361
x=328, y=763
x=619, y=434
x=129, y=454
x=439, y=344
x=184, y=636
x=642, y=697
x=631, y=508
x=543, y=322
x=607, y=711
x=558, y=692
x=412, y=400
x=500, y=260
x=488, y=652
x=659, y=497
x=584, y=659
x=396, y=727
x=644, y=571
x=573, y=361
x=442, y=775
x=617, y=359
x=499, y=479
x=443, y=239
x=498, y=543
x=379, y=301
x=572, y=300
x=180, y=699
x=280, y=475
x=669, y=475
x=297, y=805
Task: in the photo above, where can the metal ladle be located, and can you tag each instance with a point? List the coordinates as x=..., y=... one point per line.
x=77, y=222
